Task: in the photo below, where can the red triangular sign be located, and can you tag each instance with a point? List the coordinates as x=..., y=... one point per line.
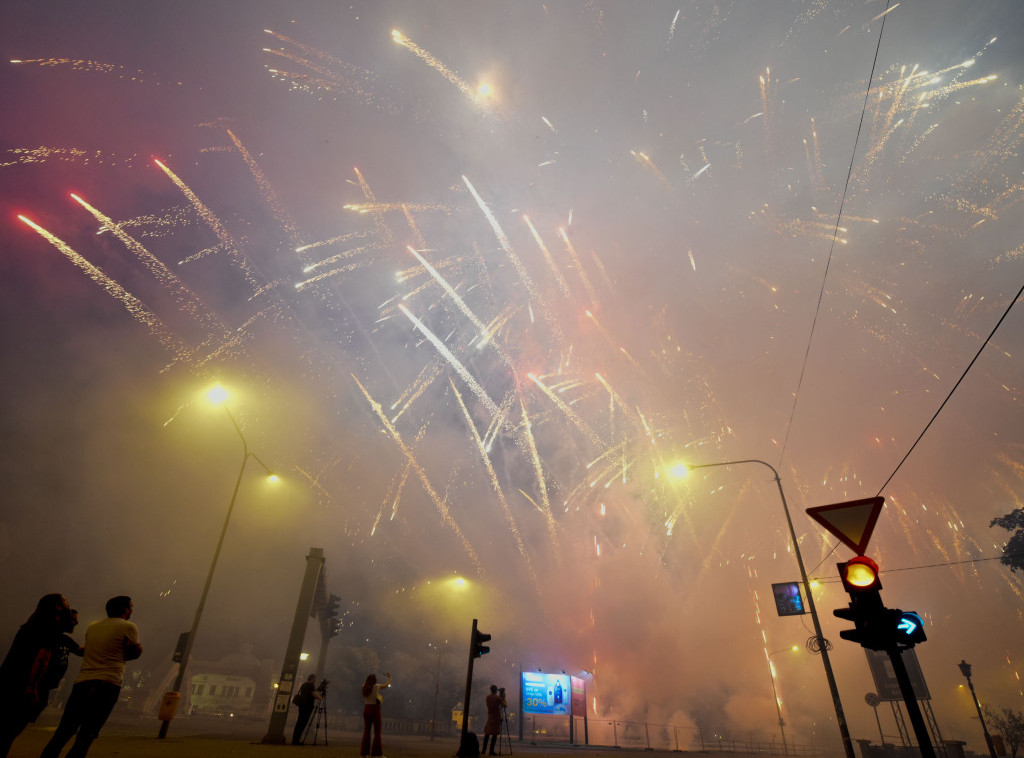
x=852, y=522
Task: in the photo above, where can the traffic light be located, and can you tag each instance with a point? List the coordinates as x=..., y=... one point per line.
x=331, y=606
x=866, y=610
x=479, y=638
x=875, y=626
x=909, y=629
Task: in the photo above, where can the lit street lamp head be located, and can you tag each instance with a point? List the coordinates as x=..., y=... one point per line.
x=217, y=394
x=678, y=470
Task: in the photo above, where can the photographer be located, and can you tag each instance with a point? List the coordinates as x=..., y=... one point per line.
x=492, y=729
x=305, y=699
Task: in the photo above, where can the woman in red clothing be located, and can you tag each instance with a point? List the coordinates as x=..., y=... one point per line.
x=371, y=715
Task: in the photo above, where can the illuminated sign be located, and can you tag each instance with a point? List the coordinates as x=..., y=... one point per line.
x=788, y=600
x=546, y=693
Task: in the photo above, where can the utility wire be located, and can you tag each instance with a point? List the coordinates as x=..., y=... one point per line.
x=938, y=565
x=835, y=235
x=958, y=381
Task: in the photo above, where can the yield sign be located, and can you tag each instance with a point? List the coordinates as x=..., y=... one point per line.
x=852, y=522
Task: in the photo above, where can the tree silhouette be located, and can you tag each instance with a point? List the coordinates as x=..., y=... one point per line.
x=1013, y=551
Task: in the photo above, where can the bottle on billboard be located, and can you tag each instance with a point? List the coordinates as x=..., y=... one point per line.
x=558, y=693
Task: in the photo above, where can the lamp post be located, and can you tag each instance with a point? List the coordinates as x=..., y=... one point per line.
x=218, y=396
x=844, y=730
x=965, y=669
x=775, y=692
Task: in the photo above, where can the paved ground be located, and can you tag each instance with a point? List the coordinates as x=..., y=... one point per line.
x=133, y=740
x=130, y=737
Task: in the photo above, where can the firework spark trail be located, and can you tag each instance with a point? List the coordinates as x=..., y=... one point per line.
x=331, y=241
x=482, y=330
x=217, y=227
x=333, y=272
x=342, y=256
x=579, y=268
x=417, y=237
x=672, y=29
x=629, y=412
x=65, y=155
x=506, y=245
x=766, y=105
x=644, y=160
x=435, y=64
x=496, y=486
x=376, y=207
x=132, y=304
x=541, y=484
x=284, y=219
x=574, y=417
x=441, y=506
x=187, y=299
x=461, y=370
x=383, y=229
x=344, y=81
x=422, y=382
x=559, y=279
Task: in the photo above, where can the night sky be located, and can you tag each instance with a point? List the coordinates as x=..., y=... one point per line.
x=476, y=275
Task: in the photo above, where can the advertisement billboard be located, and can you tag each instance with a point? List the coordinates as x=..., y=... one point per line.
x=546, y=693
x=579, y=697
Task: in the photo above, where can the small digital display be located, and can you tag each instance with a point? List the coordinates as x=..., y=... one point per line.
x=788, y=600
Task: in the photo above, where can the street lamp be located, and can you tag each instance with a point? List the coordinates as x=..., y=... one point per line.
x=844, y=730
x=775, y=692
x=217, y=395
x=965, y=669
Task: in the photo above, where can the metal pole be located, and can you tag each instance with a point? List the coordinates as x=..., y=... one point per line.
x=778, y=708
x=183, y=665
x=463, y=748
x=286, y=685
x=965, y=668
x=924, y=741
x=437, y=689
x=844, y=730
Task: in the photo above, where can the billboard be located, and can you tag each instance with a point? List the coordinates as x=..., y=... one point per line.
x=579, y=697
x=546, y=693
x=882, y=672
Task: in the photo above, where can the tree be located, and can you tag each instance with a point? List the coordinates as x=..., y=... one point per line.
x=1010, y=724
x=1013, y=552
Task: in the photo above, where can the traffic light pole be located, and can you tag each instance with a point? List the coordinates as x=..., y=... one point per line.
x=924, y=740
x=844, y=730
x=469, y=687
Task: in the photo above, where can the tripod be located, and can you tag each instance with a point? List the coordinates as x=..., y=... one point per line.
x=319, y=715
x=508, y=735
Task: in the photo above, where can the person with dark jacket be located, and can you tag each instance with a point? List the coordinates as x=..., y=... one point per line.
x=27, y=673
x=305, y=699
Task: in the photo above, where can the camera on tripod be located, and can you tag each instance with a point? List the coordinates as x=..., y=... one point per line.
x=322, y=687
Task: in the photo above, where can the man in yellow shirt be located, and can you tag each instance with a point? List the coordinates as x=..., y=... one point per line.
x=109, y=643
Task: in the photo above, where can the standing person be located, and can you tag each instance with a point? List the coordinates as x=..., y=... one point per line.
x=371, y=715
x=65, y=647
x=305, y=699
x=109, y=643
x=495, y=702
x=23, y=680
